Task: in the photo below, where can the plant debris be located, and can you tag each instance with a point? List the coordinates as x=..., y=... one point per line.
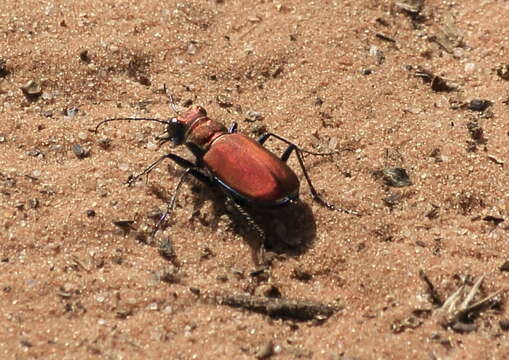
x=495, y=220
x=411, y=6
x=124, y=224
x=375, y=52
x=448, y=36
x=459, y=310
x=437, y=83
x=385, y=37
x=280, y=307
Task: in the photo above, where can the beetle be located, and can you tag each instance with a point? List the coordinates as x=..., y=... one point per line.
x=248, y=173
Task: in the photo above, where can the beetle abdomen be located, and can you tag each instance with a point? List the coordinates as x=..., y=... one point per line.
x=247, y=168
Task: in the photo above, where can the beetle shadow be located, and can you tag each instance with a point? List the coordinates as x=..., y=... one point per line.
x=290, y=230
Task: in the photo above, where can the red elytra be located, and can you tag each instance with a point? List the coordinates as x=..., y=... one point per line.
x=247, y=167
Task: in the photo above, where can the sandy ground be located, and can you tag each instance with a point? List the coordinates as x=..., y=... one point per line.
x=388, y=84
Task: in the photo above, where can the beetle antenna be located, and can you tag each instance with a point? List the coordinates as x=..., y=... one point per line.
x=171, y=100
x=333, y=152
x=130, y=119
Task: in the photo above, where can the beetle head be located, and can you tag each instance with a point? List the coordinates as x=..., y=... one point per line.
x=175, y=132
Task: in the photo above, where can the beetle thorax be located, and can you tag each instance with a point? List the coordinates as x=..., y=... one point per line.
x=200, y=130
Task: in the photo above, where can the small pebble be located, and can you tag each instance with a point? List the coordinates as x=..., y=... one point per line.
x=71, y=112
x=333, y=143
x=31, y=90
x=123, y=166
x=166, y=249
x=35, y=152
x=504, y=325
x=224, y=101
x=80, y=152
x=191, y=48
x=469, y=68
x=252, y=116
x=33, y=203
x=396, y=177
x=458, y=52
x=153, y=307
x=104, y=142
x=266, y=351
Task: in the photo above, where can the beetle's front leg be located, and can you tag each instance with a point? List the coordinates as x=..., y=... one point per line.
x=194, y=171
x=179, y=160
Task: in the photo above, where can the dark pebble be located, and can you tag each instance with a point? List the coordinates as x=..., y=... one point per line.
x=3, y=68
x=504, y=266
x=35, y=152
x=479, y=104
x=144, y=80
x=265, y=351
x=392, y=200
x=85, y=57
x=90, y=213
x=504, y=324
x=462, y=327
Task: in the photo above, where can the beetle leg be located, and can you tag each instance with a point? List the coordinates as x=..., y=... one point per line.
x=233, y=128
x=194, y=171
x=264, y=138
x=298, y=152
x=171, y=203
x=179, y=160
x=170, y=100
x=254, y=226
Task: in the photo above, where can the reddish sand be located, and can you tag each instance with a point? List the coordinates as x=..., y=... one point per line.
x=351, y=75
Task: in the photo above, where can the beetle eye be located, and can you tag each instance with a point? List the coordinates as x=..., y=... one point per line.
x=176, y=131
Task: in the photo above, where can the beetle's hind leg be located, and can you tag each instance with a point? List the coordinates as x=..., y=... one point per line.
x=292, y=148
x=262, y=237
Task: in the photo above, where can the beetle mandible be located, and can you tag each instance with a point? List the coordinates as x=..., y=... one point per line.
x=242, y=167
